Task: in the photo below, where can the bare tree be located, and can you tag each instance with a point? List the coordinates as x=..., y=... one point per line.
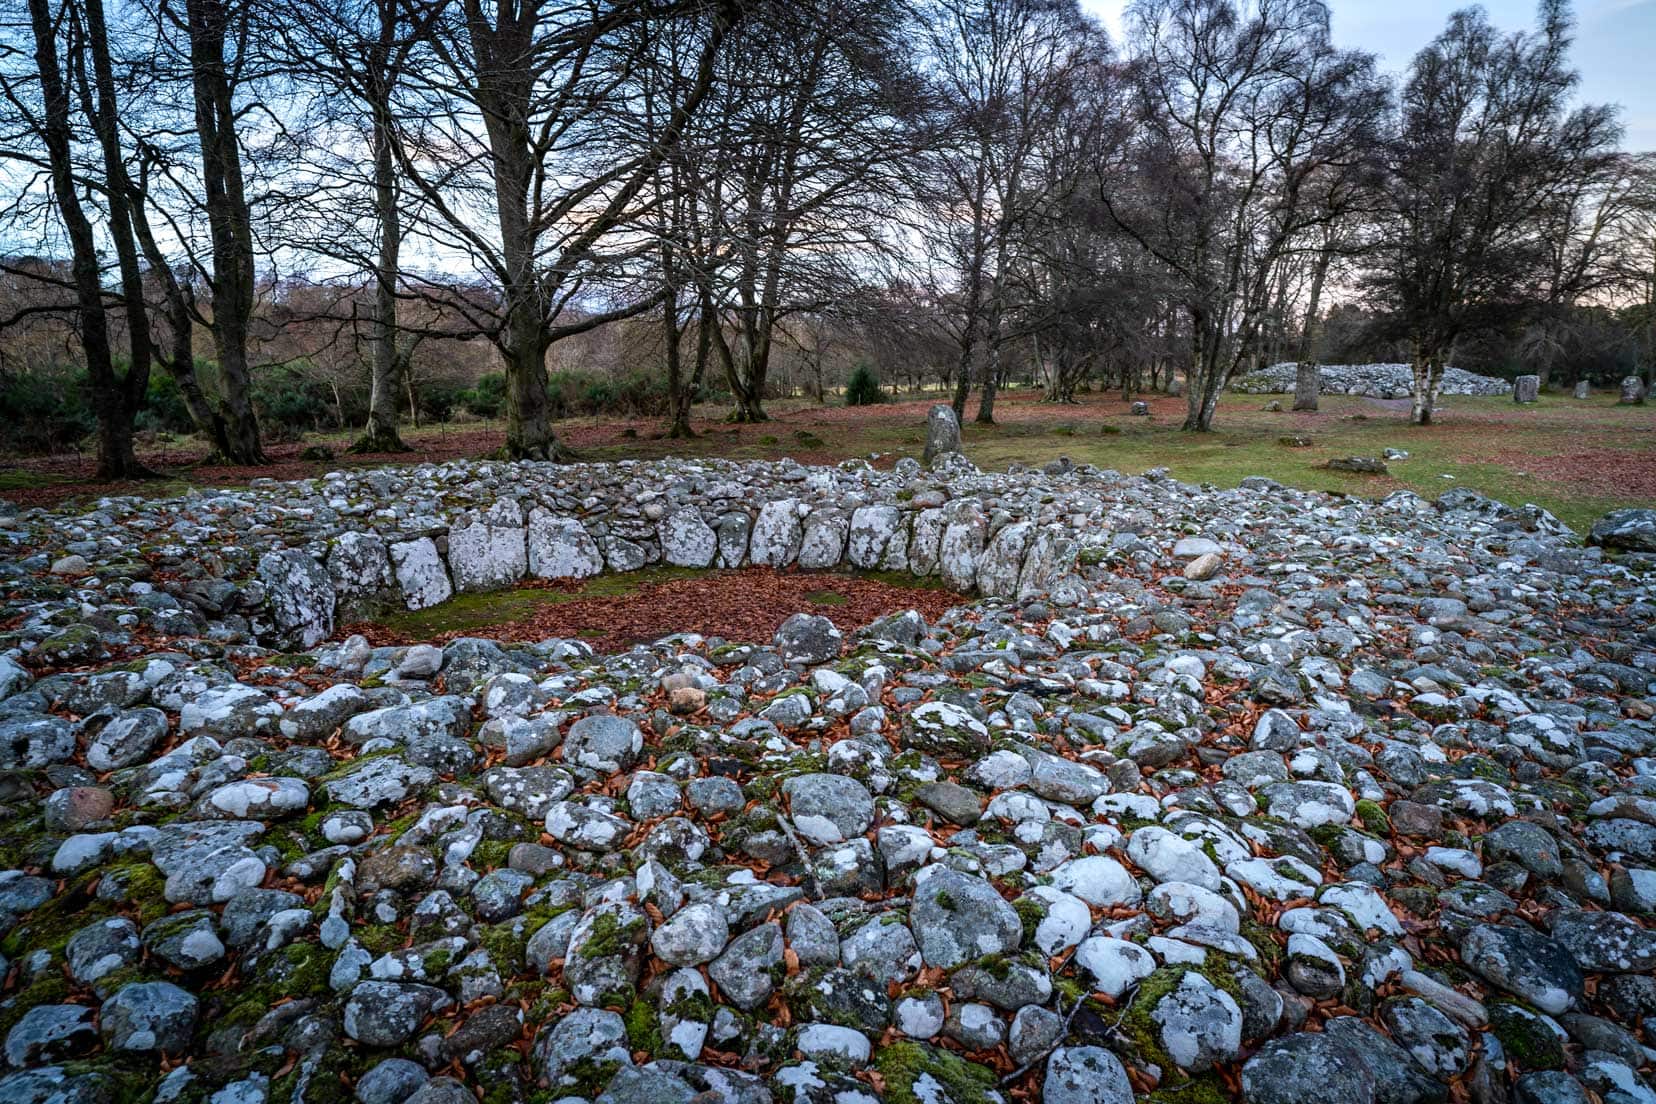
x=1236, y=115
x=1002, y=73
x=1485, y=146
x=527, y=116
x=46, y=114
x=351, y=57
x=794, y=171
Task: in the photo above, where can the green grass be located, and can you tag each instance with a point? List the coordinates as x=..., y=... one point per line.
x=481, y=609
x=17, y=479
x=1485, y=443
x=1513, y=453
x=1449, y=454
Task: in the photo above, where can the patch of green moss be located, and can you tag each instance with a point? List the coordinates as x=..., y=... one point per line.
x=643, y=1030
x=50, y=926
x=609, y=936
x=329, y=1081
x=380, y=939
x=47, y=987
x=490, y=854
x=505, y=943
x=145, y=889
x=1206, y=1089
x=1260, y=936
x=1373, y=818
x=436, y=961
x=902, y=1064
x=1030, y=912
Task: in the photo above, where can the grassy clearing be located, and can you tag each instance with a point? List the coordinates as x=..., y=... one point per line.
x=1577, y=459
x=1487, y=444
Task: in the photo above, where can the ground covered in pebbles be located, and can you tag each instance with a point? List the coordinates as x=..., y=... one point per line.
x=1251, y=794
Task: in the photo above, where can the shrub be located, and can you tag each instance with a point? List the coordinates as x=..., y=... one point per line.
x=42, y=413
x=637, y=394
x=863, y=388
x=488, y=398
x=288, y=404
x=437, y=400
x=164, y=410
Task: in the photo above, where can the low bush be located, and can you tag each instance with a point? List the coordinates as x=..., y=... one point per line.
x=863, y=388
x=487, y=398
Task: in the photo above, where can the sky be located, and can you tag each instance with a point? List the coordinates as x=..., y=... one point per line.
x=1615, y=42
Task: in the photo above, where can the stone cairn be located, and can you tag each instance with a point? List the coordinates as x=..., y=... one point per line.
x=1253, y=794
x=1380, y=381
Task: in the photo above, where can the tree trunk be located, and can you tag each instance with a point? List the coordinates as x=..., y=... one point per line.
x=963, y=371
x=529, y=433
x=991, y=382
x=678, y=395
x=1307, y=380
x=229, y=225
x=1428, y=373
x=1194, y=376
x=381, y=435
x=115, y=399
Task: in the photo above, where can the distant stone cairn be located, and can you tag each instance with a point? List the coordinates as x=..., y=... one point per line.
x=1379, y=381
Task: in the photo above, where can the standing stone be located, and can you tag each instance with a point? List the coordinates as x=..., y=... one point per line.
x=421, y=573
x=942, y=433
x=928, y=537
x=687, y=540
x=962, y=544
x=561, y=548
x=358, y=565
x=622, y=554
x=776, y=534
x=1526, y=389
x=1051, y=556
x=1632, y=391
x=872, y=528
x=487, y=550
x=824, y=541
x=1140, y=410
x=301, y=595
x=1002, y=560
x=733, y=538
x=1583, y=389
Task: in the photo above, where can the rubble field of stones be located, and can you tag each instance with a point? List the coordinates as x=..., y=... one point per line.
x=1197, y=795
x=1378, y=381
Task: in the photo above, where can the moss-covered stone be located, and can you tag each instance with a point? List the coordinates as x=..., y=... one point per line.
x=1526, y=1038
x=1142, y=1032
x=1373, y=818
x=902, y=1064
